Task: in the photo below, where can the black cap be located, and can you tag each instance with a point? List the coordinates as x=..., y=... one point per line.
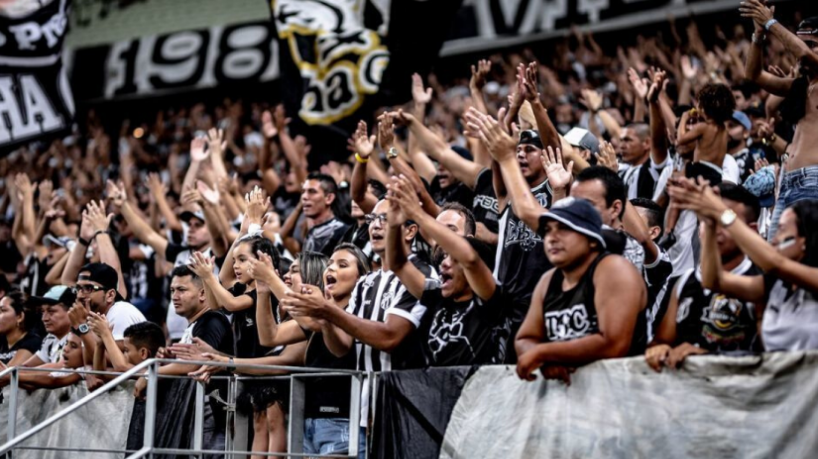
x=463, y=152
x=808, y=26
x=55, y=295
x=579, y=215
x=187, y=215
x=103, y=275
x=530, y=137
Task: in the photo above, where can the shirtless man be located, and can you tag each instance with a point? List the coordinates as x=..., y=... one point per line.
x=800, y=164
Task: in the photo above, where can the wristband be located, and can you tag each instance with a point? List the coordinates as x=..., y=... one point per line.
x=97, y=234
x=361, y=159
x=770, y=23
x=254, y=229
x=84, y=242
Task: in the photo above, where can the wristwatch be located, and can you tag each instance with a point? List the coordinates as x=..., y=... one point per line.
x=392, y=153
x=727, y=218
x=83, y=329
x=231, y=364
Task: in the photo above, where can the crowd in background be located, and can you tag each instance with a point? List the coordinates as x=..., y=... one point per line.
x=655, y=201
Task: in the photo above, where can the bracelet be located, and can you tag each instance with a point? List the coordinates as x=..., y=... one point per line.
x=84, y=242
x=361, y=159
x=98, y=233
x=770, y=23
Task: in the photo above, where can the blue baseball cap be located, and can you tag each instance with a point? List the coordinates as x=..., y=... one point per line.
x=579, y=215
x=762, y=185
x=742, y=119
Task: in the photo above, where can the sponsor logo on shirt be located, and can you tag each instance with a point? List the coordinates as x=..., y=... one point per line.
x=567, y=324
x=486, y=202
x=518, y=233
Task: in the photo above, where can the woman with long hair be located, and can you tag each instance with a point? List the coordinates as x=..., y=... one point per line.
x=20, y=327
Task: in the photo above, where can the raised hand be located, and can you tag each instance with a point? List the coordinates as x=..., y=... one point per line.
x=559, y=177
x=529, y=82
x=201, y=265
x=78, y=314
x=99, y=324
x=262, y=268
x=215, y=141
x=607, y=156
x=689, y=71
x=46, y=195
x=256, y=206
x=499, y=144
x=640, y=86
x=659, y=77
x=310, y=302
x=197, y=150
x=97, y=220
x=403, y=192
x=386, y=131
x=191, y=198
x=420, y=95
x=208, y=194
x=268, y=128
x=479, y=74
x=280, y=118
x=363, y=143
x=155, y=185
x=115, y=193
x=757, y=11
x=592, y=100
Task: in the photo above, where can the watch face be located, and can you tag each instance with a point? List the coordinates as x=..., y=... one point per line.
x=83, y=328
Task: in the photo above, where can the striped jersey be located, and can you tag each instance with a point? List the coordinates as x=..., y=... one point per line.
x=376, y=296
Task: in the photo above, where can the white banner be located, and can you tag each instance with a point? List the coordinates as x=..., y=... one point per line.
x=714, y=407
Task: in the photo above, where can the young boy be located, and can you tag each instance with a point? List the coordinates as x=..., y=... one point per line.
x=142, y=341
x=71, y=359
x=715, y=107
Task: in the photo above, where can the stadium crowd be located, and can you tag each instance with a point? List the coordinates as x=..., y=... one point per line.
x=654, y=202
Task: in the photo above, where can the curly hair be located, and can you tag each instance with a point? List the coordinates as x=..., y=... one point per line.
x=717, y=102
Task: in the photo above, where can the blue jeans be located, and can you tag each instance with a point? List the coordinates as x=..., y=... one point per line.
x=330, y=436
x=796, y=185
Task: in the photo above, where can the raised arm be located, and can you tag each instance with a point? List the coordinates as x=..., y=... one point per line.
x=478, y=275
x=100, y=326
x=364, y=145
x=157, y=190
x=754, y=67
x=99, y=224
x=397, y=258
x=714, y=277
x=141, y=229
x=762, y=16
x=203, y=267
x=548, y=133
x=658, y=128
x=687, y=135
x=423, y=165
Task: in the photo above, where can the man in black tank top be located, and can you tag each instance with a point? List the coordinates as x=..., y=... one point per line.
x=589, y=307
x=698, y=320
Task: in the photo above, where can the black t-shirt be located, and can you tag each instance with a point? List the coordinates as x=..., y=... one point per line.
x=245, y=331
x=327, y=397
x=521, y=258
x=31, y=342
x=284, y=203
x=324, y=237
x=656, y=275
x=452, y=193
x=484, y=206
x=214, y=329
x=712, y=321
x=359, y=236
x=461, y=333
x=33, y=281
x=11, y=256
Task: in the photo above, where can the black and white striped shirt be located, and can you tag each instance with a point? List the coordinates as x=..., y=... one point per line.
x=378, y=295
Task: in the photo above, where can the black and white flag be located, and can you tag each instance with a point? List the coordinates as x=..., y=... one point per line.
x=35, y=97
x=341, y=59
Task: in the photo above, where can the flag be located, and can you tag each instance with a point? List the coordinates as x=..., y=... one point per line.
x=35, y=97
x=341, y=59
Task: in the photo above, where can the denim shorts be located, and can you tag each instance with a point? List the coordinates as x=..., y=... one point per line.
x=330, y=436
x=796, y=185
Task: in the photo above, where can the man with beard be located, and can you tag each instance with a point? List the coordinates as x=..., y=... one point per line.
x=319, y=202
x=641, y=165
x=738, y=131
x=96, y=291
x=800, y=107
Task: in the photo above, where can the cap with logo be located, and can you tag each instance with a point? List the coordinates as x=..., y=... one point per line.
x=577, y=214
x=582, y=138
x=103, y=275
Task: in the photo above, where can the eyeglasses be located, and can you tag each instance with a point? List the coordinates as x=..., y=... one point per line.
x=370, y=218
x=86, y=289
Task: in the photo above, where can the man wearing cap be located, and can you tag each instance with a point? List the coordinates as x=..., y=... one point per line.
x=738, y=132
x=589, y=307
x=587, y=143
x=55, y=305
x=800, y=107
x=96, y=291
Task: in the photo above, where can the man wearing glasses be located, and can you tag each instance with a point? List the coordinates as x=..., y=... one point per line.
x=96, y=291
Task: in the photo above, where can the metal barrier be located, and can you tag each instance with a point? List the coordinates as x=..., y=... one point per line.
x=295, y=436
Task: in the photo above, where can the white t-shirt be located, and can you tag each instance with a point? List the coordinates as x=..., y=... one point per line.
x=51, y=349
x=121, y=316
x=730, y=171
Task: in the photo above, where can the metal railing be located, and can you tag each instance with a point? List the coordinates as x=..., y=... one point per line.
x=241, y=423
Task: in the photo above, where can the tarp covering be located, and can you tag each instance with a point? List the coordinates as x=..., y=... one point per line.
x=747, y=407
x=101, y=424
x=413, y=409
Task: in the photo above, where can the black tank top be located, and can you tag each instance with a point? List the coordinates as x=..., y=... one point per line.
x=571, y=314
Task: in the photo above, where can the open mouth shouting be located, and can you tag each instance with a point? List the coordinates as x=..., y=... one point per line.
x=330, y=281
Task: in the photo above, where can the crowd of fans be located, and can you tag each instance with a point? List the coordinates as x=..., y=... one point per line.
x=656, y=202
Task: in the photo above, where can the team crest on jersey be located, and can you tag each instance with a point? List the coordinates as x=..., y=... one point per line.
x=723, y=312
x=386, y=300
